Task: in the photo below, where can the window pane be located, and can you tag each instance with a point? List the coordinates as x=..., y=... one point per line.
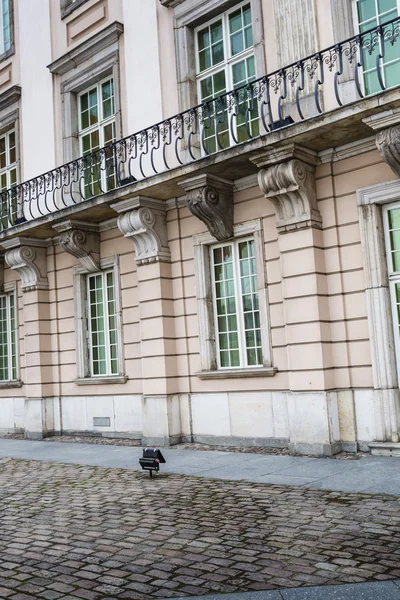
x=237, y=42
x=217, y=53
x=384, y=5
x=203, y=38
x=235, y=21
x=366, y=9
x=216, y=32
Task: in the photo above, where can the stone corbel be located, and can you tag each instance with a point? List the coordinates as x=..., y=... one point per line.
x=82, y=241
x=387, y=127
x=210, y=199
x=28, y=256
x=143, y=220
x=288, y=181
x=388, y=142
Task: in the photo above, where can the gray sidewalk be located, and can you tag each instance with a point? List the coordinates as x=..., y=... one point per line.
x=369, y=474
x=387, y=590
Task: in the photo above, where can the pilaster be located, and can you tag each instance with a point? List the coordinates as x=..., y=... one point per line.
x=287, y=180
x=143, y=220
x=28, y=256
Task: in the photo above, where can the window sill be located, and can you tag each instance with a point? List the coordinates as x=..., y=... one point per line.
x=232, y=373
x=7, y=53
x=11, y=384
x=67, y=10
x=113, y=379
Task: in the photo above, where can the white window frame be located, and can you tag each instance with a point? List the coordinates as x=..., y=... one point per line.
x=3, y=50
x=357, y=31
x=7, y=171
x=394, y=277
x=187, y=17
x=99, y=126
x=206, y=311
x=82, y=327
x=10, y=289
x=229, y=61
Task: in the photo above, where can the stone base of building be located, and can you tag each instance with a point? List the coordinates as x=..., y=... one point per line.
x=311, y=423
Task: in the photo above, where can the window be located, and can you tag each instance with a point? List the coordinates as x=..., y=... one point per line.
x=102, y=324
x=391, y=216
x=371, y=13
x=232, y=305
x=98, y=324
x=236, y=309
x=8, y=178
x=8, y=338
x=225, y=61
x=5, y=27
x=97, y=130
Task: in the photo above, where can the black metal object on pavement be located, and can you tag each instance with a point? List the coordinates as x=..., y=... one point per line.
x=151, y=460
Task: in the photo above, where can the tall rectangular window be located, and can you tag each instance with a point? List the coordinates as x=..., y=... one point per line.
x=5, y=28
x=391, y=218
x=8, y=338
x=97, y=131
x=371, y=13
x=102, y=324
x=225, y=61
x=8, y=178
x=236, y=306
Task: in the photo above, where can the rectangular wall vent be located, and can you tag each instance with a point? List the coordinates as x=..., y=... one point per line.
x=101, y=422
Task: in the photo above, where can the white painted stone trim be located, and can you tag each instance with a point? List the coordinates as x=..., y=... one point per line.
x=84, y=66
x=384, y=367
x=201, y=243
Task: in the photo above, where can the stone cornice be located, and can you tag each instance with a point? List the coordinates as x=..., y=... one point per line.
x=87, y=49
x=10, y=96
x=143, y=220
x=210, y=199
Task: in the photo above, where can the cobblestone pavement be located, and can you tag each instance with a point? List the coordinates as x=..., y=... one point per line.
x=68, y=532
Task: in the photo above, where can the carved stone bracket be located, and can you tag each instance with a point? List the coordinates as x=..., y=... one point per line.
x=290, y=185
x=28, y=257
x=210, y=199
x=143, y=220
x=82, y=241
x=388, y=143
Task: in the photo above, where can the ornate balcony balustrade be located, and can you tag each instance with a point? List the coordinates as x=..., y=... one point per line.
x=361, y=66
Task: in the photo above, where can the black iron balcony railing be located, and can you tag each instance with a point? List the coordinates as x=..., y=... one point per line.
x=348, y=71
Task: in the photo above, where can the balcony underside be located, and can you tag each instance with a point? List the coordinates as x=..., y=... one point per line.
x=329, y=130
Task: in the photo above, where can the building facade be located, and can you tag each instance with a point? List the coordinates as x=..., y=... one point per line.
x=227, y=275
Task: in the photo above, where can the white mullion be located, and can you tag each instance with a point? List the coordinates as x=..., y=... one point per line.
x=106, y=323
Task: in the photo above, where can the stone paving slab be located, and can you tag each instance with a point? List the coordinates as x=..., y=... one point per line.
x=361, y=591
x=71, y=531
x=374, y=474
